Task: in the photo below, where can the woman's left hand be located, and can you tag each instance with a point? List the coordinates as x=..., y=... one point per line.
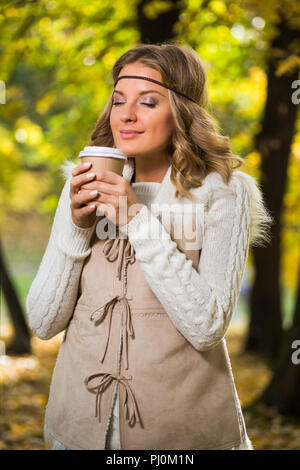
x=116, y=197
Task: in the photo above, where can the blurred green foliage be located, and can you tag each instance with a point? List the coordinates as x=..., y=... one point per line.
x=56, y=58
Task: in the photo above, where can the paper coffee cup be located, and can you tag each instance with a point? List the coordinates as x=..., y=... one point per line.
x=104, y=158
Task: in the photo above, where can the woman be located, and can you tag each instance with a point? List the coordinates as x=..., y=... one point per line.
x=144, y=363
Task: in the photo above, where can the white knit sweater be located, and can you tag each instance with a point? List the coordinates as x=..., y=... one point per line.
x=199, y=302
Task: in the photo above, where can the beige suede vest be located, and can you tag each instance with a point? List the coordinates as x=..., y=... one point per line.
x=121, y=340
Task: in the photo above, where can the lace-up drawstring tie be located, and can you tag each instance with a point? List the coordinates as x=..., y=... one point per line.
x=105, y=380
x=126, y=322
x=115, y=248
x=119, y=248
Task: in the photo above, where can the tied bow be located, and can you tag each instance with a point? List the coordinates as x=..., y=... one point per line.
x=115, y=248
x=105, y=379
x=127, y=327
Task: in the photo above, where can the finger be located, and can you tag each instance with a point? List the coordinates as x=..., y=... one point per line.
x=80, y=168
x=77, y=181
x=109, y=189
x=104, y=197
x=85, y=210
x=107, y=199
x=109, y=177
x=90, y=186
x=83, y=197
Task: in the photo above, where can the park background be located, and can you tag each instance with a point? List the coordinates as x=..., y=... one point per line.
x=55, y=63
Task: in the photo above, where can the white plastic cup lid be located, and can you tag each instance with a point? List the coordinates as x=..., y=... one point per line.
x=96, y=151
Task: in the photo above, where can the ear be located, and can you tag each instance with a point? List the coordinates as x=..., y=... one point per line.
x=67, y=168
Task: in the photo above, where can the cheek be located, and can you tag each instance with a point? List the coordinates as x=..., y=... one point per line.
x=115, y=114
x=170, y=122
x=165, y=126
x=158, y=122
x=114, y=126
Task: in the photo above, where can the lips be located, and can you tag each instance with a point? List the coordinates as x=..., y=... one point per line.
x=130, y=133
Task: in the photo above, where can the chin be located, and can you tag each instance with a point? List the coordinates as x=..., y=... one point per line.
x=134, y=149
x=131, y=150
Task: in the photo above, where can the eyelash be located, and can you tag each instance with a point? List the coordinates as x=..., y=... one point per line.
x=151, y=105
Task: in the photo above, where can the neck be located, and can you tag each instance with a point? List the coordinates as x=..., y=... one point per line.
x=150, y=170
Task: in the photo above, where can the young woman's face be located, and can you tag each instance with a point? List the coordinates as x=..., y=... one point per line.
x=142, y=107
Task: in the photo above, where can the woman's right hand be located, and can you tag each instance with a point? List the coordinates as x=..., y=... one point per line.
x=82, y=207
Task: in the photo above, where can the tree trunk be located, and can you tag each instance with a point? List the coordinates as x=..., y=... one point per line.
x=159, y=29
x=273, y=143
x=283, y=391
x=21, y=340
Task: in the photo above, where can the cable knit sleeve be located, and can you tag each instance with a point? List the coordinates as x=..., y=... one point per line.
x=200, y=302
x=53, y=293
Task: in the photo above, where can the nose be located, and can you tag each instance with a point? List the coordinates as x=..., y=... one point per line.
x=128, y=113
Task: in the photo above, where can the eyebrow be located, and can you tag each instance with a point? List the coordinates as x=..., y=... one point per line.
x=141, y=93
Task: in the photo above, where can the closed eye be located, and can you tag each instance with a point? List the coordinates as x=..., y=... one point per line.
x=151, y=105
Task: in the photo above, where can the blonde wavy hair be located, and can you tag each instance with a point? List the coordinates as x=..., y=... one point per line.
x=197, y=146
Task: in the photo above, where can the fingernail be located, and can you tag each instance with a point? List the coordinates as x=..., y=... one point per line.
x=90, y=175
x=93, y=193
x=87, y=164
